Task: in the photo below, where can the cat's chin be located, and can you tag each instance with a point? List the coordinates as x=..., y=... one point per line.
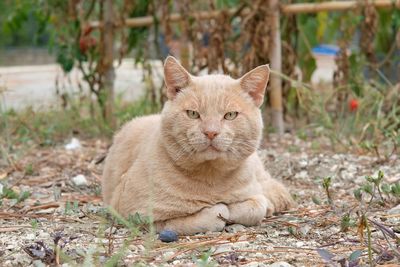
x=211, y=153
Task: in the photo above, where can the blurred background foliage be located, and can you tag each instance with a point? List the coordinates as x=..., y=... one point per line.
x=363, y=108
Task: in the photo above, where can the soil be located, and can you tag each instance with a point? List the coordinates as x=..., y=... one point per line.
x=314, y=233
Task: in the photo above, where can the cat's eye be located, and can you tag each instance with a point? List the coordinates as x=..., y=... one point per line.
x=192, y=114
x=231, y=115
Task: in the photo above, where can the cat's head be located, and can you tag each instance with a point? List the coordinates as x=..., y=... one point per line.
x=213, y=117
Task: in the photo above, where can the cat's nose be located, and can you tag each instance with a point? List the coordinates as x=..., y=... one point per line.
x=210, y=134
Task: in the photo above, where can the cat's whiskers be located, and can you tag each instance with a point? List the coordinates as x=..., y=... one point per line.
x=183, y=153
x=234, y=152
x=246, y=144
x=185, y=146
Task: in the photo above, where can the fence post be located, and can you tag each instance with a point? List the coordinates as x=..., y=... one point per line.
x=109, y=72
x=275, y=56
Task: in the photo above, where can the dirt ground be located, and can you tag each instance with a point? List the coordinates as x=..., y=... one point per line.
x=313, y=234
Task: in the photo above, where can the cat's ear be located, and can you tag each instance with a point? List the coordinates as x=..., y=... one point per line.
x=254, y=83
x=176, y=77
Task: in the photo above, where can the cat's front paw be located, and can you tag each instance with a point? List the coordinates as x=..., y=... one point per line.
x=216, y=217
x=249, y=212
x=208, y=219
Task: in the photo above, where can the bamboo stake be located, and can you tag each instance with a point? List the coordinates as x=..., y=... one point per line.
x=108, y=61
x=275, y=57
x=285, y=9
x=149, y=20
x=336, y=6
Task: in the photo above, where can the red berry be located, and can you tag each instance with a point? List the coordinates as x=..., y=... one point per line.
x=83, y=45
x=86, y=42
x=353, y=104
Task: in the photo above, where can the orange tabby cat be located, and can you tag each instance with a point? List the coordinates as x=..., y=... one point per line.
x=195, y=164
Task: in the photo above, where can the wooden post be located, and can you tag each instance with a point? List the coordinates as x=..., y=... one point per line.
x=184, y=47
x=275, y=57
x=108, y=60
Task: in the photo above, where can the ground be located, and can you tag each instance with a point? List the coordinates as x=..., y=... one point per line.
x=326, y=227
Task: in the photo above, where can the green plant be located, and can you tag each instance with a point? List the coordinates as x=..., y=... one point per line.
x=346, y=222
x=34, y=224
x=204, y=260
x=326, y=183
x=9, y=193
x=352, y=260
x=29, y=169
x=71, y=207
x=376, y=184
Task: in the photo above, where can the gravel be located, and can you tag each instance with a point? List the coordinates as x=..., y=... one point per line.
x=288, y=239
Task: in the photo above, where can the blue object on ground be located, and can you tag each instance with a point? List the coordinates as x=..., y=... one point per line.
x=168, y=236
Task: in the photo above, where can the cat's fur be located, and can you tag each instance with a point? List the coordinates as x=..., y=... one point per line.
x=190, y=173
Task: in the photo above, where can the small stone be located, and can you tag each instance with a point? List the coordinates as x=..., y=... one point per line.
x=30, y=236
x=301, y=175
x=73, y=144
x=243, y=238
x=241, y=245
x=168, y=254
x=223, y=248
x=168, y=236
x=100, y=240
x=303, y=163
x=395, y=210
x=305, y=229
x=38, y=263
x=256, y=264
x=334, y=168
x=110, y=230
x=273, y=233
x=269, y=248
x=44, y=235
x=10, y=246
x=299, y=244
x=1, y=189
x=234, y=228
x=280, y=264
x=80, y=180
x=259, y=255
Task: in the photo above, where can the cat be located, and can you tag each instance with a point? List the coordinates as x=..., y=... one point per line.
x=195, y=167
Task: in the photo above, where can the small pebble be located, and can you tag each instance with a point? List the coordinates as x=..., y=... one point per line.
x=74, y=144
x=38, y=263
x=168, y=236
x=395, y=210
x=80, y=180
x=280, y=264
x=110, y=230
x=30, y=236
x=223, y=248
x=234, y=228
x=168, y=254
x=301, y=175
x=259, y=255
x=299, y=244
x=241, y=245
